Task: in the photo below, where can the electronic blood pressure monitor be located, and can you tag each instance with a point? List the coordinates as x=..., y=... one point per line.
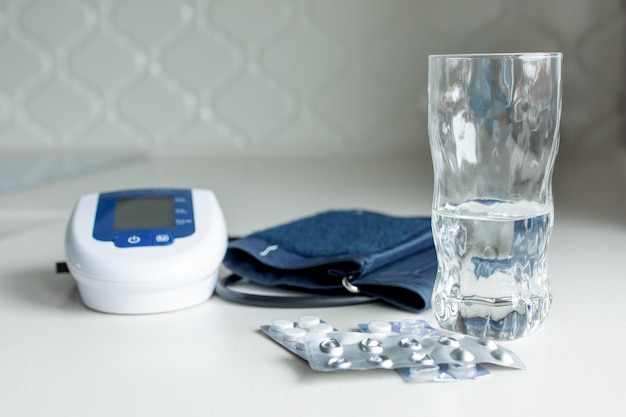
x=147, y=250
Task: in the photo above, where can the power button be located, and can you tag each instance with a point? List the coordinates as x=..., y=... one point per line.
x=133, y=240
x=129, y=240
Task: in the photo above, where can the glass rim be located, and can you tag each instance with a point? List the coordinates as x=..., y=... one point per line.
x=497, y=55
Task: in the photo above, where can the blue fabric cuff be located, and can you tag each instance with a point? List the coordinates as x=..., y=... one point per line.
x=391, y=258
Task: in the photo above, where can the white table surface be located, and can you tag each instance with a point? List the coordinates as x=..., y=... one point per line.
x=58, y=358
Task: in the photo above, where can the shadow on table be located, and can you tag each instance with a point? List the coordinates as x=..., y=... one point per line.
x=47, y=289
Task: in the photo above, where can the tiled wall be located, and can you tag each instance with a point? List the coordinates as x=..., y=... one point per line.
x=256, y=77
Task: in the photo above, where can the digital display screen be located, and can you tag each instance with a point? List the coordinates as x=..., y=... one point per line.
x=153, y=212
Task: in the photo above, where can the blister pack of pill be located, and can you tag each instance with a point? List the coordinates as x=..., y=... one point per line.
x=290, y=334
x=427, y=368
x=453, y=356
x=358, y=351
x=412, y=347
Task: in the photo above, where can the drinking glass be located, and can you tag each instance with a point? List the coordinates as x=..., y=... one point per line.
x=494, y=134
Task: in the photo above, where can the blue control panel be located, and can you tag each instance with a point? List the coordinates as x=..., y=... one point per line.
x=145, y=217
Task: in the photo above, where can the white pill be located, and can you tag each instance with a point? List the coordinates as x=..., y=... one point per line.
x=307, y=321
x=322, y=328
x=293, y=333
x=300, y=344
x=379, y=326
x=425, y=373
x=462, y=371
x=278, y=325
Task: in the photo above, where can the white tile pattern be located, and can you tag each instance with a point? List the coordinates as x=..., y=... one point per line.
x=287, y=77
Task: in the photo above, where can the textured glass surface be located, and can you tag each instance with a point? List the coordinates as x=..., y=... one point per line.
x=494, y=134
